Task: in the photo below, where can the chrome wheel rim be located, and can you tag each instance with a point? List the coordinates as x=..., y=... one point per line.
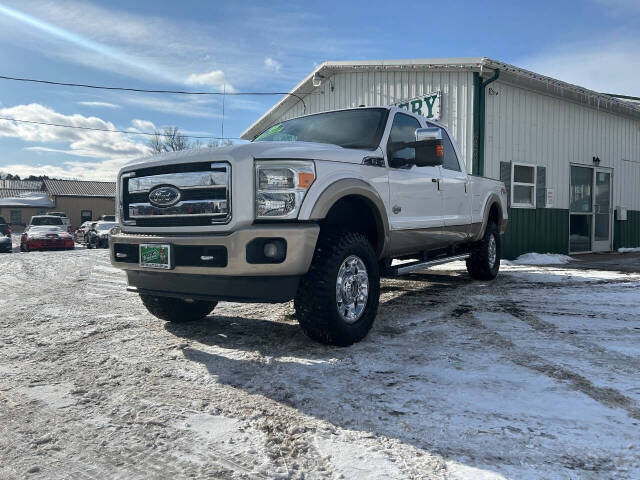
x=352, y=289
x=492, y=251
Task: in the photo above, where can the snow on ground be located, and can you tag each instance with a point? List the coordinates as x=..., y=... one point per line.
x=534, y=375
x=629, y=250
x=541, y=259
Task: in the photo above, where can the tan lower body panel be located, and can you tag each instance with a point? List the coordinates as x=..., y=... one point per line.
x=301, y=243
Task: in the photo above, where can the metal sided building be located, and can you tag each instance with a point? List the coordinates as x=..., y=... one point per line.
x=569, y=156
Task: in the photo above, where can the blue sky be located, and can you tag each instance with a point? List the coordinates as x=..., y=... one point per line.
x=259, y=46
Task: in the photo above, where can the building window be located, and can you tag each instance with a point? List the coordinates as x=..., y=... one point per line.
x=523, y=185
x=15, y=217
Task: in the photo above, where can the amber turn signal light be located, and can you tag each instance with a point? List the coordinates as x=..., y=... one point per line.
x=305, y=179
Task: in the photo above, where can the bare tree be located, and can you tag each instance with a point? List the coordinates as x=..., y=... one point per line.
x=169, y=140
x=219, y=143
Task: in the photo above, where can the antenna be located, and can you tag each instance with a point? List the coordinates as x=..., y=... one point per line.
x=224, y=92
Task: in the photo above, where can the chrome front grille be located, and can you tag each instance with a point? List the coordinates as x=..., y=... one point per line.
x=194, y=194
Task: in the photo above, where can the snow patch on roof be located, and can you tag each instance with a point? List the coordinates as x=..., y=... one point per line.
x=29, y=199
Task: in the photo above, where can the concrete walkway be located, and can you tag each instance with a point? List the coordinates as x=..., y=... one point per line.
x=619, y=262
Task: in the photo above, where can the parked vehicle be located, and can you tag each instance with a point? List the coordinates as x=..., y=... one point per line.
x=98, y=235
x=46, y=232
x=314, y=209
x=64, y=218
x=81, y=234
x=5, y=236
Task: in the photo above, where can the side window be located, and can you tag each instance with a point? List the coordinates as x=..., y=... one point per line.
x=403, y=129
x=450, y=160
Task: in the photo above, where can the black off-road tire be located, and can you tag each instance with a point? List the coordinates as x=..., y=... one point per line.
x=478, y=264
x=315, y=302
x=177, y=310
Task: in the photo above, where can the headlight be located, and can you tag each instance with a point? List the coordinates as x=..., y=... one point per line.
x=281, y=187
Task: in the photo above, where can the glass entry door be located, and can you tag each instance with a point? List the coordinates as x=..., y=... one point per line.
x=590, y=210
x=602, y=211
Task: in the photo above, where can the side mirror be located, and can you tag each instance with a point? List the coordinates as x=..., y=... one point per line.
x=427, y=146
x=429, y=149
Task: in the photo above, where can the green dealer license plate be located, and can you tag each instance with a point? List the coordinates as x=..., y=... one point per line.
x=153, y=255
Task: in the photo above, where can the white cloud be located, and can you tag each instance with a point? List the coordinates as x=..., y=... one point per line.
x=142, y=125
x=609, y=66
x=214, y=78
x=95, y=170
x=99, y=104
x=272, y=64
x=149, y=47
x=188, y=106
x=113, y=146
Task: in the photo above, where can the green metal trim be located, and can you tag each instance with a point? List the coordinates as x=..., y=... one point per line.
x=542, y=230
x=477, y=85
x=479, y=119
x=546, y=230
x=626, y=233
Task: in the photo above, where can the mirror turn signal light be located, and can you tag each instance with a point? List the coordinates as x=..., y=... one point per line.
x=439, y=150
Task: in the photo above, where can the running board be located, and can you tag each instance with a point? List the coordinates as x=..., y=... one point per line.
x=412, y=267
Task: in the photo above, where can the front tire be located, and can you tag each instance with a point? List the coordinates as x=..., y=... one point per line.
x=484, y=262
x=337, y=300
x=177, y=310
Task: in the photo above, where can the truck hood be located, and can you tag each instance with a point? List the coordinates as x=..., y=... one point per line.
x=260, y=150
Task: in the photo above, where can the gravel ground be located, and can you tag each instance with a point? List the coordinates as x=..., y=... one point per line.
x=535, y=375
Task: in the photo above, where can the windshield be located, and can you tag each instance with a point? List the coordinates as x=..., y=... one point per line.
x=105, y=226
x=46, y=221
x=361, y=128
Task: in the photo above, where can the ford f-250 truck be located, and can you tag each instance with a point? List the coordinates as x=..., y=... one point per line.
x=315, y=209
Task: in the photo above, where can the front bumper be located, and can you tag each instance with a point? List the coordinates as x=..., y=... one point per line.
x=300, y=244
x=49, y=243
x=239, y=280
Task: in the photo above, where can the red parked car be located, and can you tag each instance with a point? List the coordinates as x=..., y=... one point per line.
x=46, y=232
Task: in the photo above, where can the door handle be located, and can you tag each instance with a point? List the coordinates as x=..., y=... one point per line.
x=436, y=180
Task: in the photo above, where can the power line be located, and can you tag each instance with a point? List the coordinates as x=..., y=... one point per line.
x=110, y=131
x=144, y=90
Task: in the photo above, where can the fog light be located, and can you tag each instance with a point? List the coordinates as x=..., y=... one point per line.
x=270, y=250
x=266, y=250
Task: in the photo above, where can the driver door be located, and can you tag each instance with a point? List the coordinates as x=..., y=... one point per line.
x=415, y=199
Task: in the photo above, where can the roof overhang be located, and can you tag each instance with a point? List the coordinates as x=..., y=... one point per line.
x=485, y=66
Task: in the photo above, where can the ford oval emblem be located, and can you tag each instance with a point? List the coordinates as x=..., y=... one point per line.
x=164, y=196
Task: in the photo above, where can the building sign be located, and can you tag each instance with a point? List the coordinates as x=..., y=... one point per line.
x=549, y=202
x=426, y=105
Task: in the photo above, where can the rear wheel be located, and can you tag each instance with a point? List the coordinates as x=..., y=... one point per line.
x=484, y=262
x=337, y=300
x=176, y=309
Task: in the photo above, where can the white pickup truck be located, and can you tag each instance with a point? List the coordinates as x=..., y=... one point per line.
x=315, y=209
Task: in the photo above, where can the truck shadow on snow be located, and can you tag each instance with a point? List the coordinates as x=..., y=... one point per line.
x=414, y=378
